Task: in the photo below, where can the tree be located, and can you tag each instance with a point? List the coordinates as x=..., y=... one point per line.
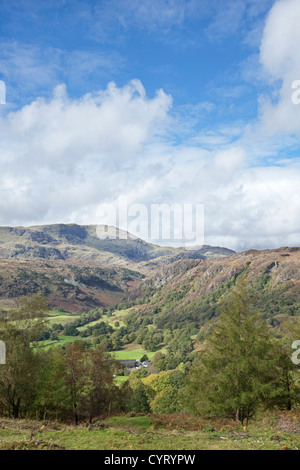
x=139, y=402
x=77, y=379
x=144, y=358
x=17, y=378
x=53, y=398
x=287, y=380
x=23, y=324
x=237, y=370
x=71, y=330
x=287, y=390
x=101, y=388
x=166, y=401
x=29, y=317
x=159, y=361
x=89, y=378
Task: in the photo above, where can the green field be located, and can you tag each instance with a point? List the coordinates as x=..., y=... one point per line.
x=117, y=316
x=49, y=343
x=120, y=379
x=132, y=351
x=62, y=319
x=56, y=316
x=150, y=432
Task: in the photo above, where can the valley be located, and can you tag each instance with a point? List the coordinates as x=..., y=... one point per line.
x=135, y=288
x=121, y=300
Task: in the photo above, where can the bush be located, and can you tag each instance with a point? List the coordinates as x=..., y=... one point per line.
x=166, y=401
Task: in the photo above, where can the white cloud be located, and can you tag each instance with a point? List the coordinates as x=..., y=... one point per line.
x=229, y=161
x=279, y=55
x=62, y=157
x=280, y=43
x=60, y=154
x=110, y=125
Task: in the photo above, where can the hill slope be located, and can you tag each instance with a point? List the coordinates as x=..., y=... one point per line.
x=81, y=243
x=187, y=293
x=78, y=270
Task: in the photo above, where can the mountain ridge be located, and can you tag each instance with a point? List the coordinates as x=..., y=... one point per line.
x=81, y=242
x=188, y=293
x=77, y=269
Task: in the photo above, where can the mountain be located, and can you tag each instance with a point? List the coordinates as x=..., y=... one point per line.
x=188, y=292
x=84, y=243
x=77, y=267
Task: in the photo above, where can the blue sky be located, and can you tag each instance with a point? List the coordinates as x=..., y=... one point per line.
x=195, y=50
x=162, y=101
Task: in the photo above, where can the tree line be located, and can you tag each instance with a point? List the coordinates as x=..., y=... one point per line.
x=241, y=368
x=67, y=382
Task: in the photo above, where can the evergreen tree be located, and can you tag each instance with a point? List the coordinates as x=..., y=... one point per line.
x=237, y=370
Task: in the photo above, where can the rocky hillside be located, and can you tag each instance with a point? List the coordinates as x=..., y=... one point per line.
x=188, y=292
x=77, y=268
x=78, y=243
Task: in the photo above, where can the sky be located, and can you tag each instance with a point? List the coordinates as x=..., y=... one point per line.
x=192, y=102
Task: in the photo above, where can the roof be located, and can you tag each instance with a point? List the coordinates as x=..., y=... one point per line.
x=129, y=362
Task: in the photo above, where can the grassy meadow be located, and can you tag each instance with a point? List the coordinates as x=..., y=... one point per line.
x=129, y=351
x=153, y=432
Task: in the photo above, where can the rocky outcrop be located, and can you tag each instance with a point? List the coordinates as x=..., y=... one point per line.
x=77, y=243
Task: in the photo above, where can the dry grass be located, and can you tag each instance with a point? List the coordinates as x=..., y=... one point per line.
x=277, y=431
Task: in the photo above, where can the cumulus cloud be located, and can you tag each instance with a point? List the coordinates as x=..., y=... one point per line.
x=279, y=54
x=228, y=161
x=63, y=153
x=62, y=157
x=110, y=125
